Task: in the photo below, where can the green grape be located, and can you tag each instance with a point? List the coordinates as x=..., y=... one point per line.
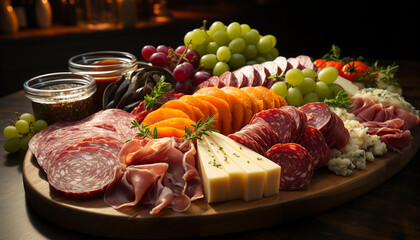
x=10, y=132
x=323, y=91
x=308, y=85
x=208, y=61
x=255, y=31
x=24, y=142
x=187, y=38
x=237, y=60
x=250, y=52
x=234, y=30
x=27, y=117
x=212, y=47
x=294, y=96
x=335, y=89
x=251, y=62
x=223, y=54
x=260, y=59
x=215, y=26
x=245, y=28
x=328, y=75
x=197, y=37
x=22, y=126
x=310, y=73
x=272, y=54
x=251, y=38
x=220, y=68
x=221, y=38
x=310, y=97
x=40, y=125
x=273, y=40
x=294, y=76
x=264, y=45
x=279, y=88
x=201, y=49
x=12, y=145
x=237, y=45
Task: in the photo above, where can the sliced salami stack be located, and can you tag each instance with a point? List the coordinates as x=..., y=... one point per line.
x=258, y=74
x=287, y=136
x=80, y=158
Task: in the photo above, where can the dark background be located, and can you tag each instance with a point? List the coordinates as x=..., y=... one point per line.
x=375, y=31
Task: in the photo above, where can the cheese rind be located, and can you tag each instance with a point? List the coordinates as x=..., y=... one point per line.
x=272, y=180
x=214, y=178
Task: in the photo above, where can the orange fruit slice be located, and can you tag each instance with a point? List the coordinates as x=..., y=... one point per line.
x=267, y=97
x=163, y=114
x=183, y=106
x=224, y=112
x=197, y=103
x=175, y=122
x=256, y=96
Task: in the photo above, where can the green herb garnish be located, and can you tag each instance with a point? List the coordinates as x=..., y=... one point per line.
x=144, y=130
x=159, y=89
x=201, y=128
x=341, y=100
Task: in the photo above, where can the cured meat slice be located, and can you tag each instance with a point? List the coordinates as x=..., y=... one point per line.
x=263, y=74
x=295, y=63
x=229, y=79
x=247, y=141
x=109, y=144
x=397, y=141
x=281, y=122
x=264, y=130
x=250, y=131
x=306, y=62
x=301, y=121
x=297, y=165
x=83, y=172
x=283, y=64
x=242, y=79
x=315, y=144
x=252, y=75
x=272, y=68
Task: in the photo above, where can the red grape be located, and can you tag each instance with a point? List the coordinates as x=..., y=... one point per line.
x=163, y=49
x=200, y=77
x=158, y=59
x=193, y=57
x=148, y=51
x=183, y=71
x=180, y=50
x=185, y=87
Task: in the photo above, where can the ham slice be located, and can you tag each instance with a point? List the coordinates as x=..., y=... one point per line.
x=158, y=173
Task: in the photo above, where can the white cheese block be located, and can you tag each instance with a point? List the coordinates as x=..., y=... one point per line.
x=254, y=175
x=348, y=86
x=214, y=177
x=236, y=183
x=272, y=178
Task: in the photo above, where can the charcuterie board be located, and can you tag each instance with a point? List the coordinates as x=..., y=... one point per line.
x=94, y=217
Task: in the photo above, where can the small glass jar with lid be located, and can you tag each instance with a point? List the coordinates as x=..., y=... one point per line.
x=62, y=96
x=105, y=67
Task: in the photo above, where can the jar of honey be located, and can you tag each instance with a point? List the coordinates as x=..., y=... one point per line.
x=105, y=67
x=63, y=96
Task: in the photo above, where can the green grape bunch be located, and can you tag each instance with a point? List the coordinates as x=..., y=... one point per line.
x=20, y=132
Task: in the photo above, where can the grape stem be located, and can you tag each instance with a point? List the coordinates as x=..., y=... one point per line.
x=183, y=54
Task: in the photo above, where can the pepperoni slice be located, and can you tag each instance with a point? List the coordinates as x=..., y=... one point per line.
x=83, y=172
x=297, y=165
x=301, y=121
x=264, y=130
x=247, y=141
x=313, y=141
x=281, y=122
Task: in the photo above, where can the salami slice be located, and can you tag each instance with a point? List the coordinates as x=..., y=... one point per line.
x=109, y=144
x=300, y=119
x=313, y=141
x=242, y=79
x=263, y=74
x=281, y=122
x=264, y=130
x=250, y=131
x=306, y=62
x=297, y=165
x=247, y=141
x=252, y=75
x=229, y=79
x=272, y=68
x=83, y=172
x=283, y=64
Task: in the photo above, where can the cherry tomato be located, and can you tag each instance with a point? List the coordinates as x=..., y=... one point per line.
x=319, y=63
x=354, y=69
x=336, y=64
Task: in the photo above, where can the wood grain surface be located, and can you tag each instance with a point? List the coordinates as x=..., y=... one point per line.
x=388, y=211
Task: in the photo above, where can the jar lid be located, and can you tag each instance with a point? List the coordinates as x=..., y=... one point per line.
x=59, y=87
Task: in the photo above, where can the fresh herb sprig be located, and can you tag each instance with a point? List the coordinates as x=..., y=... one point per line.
x=159, y=89
x=386, y=74
x=341, y=100
x=200, y=128
x=144, y=130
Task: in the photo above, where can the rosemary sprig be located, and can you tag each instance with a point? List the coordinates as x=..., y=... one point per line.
x=144, y=130
x=386, y=74
x=159, y=89
x=341, y=100
x=201, y=128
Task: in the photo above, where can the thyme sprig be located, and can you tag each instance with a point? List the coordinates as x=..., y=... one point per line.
x=159, y=89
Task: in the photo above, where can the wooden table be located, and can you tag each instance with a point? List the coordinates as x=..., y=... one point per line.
x=391, y=211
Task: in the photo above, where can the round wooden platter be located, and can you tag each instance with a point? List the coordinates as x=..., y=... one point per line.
x=94, y=217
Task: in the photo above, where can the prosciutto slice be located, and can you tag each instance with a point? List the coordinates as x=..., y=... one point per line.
x=158, y=173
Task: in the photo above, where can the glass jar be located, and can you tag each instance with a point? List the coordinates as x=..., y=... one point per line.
x=62, y=96
x=105, y=67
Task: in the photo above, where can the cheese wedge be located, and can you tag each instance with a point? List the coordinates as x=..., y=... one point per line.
x=272, y=178
x=348, y=86
x=236, y=184
x=214, y=178
x=254, y=175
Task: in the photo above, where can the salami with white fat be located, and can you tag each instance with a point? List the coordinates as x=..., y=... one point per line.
x=297, y=165
x=83, y=172
x=317, y=147
x=300, y=119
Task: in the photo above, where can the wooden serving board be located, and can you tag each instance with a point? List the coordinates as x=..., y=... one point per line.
x=93, y=216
